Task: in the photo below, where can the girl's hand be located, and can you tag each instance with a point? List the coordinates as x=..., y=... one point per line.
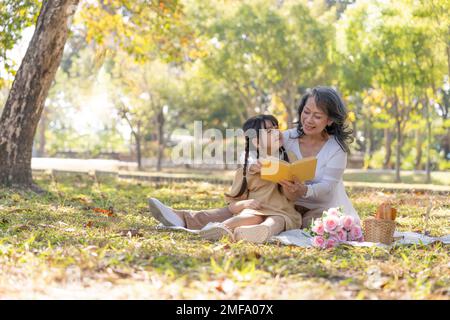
x=255, y=168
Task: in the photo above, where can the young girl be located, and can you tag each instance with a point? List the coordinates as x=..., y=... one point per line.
x=260, y=208
x=257, y=209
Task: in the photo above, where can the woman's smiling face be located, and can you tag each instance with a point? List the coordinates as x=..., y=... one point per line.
x=313, y=119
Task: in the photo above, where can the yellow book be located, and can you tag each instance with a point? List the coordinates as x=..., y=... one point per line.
x=275, y=170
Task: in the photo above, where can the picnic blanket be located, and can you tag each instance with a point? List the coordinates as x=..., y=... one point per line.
x=302, y=238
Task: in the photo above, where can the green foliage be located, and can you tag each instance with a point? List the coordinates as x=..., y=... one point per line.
x=15, y=15
x=232, y=59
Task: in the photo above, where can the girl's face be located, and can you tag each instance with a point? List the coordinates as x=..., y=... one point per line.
x=313, y=119
x=270, y=139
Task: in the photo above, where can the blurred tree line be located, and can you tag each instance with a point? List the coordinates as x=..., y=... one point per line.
x=161, y=68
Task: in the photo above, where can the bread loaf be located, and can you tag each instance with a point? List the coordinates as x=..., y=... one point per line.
x=386, y=212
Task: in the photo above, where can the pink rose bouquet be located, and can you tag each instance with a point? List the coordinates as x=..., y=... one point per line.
x=335, y=227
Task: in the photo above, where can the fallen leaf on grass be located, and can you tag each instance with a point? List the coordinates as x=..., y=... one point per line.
x=89, y=224
x=109, y=212
x=46, y=226
x=221, y=247
x=82, y=199
x=225, y=286
x=118, y=272
x=130, y=233
x=22, y=227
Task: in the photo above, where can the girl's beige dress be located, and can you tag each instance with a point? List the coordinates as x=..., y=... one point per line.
x=273, y=201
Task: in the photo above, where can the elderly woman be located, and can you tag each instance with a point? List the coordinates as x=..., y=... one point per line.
x=321, y=132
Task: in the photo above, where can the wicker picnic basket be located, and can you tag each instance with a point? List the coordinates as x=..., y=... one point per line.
x=379, y=230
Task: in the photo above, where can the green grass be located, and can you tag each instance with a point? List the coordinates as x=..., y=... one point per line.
x=57, y=246
x=437, y=178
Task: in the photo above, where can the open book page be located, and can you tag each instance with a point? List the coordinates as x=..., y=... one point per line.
x=275, y=170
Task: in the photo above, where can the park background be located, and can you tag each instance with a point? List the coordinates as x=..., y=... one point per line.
x=134, y=71
x=127, y=82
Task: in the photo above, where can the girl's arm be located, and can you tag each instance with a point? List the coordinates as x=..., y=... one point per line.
x=235, y=187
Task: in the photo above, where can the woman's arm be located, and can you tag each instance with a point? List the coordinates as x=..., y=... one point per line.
x=333, y=173
x=331, y=177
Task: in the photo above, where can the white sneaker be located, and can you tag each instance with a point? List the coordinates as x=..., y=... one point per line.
x=164, y=214
x=215, y=231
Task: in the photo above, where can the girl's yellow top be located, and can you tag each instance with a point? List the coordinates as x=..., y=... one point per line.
x=273, y=201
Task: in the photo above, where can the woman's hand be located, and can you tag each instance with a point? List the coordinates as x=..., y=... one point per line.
x=294, y=189
x=244, y=204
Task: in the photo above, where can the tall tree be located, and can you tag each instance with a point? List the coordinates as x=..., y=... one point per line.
x=29, y=90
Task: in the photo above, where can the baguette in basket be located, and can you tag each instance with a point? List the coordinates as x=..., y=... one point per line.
x=381, y=228
x=386, y=212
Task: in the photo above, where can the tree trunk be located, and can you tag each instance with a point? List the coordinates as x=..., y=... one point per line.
x=419, y=141
x=160, y=120
x=446, y=145
x=371, y=143
x=138, y=137
x=42, y=128
x=428, y=164
x=388, y=147
x=29, y=90
x=288, y=102
x=398, y=147
x=448, y=54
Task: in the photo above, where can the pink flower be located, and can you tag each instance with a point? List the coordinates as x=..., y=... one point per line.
x=341, y=235
x=356, y=233
x=347, y=222
x=331, y=223
x=318, y=228
x=333, y=212
x=318, y=241
x=332, y=242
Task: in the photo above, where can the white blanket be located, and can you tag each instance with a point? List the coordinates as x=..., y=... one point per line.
x=301, y=238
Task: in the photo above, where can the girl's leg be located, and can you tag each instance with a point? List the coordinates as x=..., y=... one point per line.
x=196, y=220
x=243, y=220
x=276, y=224
x=215, y=231
x=262, y=232
x=186, y=218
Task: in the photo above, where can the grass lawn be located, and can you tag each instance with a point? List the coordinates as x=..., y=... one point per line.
x=57, y=246
x=437, y=178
